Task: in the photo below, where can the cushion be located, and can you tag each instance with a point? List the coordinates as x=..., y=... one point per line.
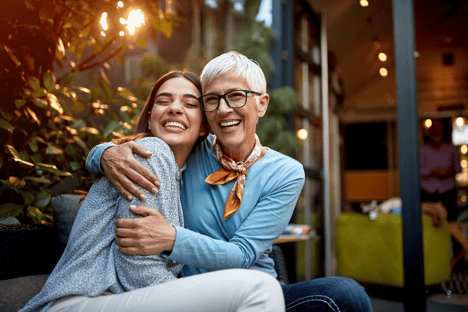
x=372, y=250
x=65, y=208
x=16, y=292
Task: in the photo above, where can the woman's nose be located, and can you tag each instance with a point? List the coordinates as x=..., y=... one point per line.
x=223, y=106
x=175, y=108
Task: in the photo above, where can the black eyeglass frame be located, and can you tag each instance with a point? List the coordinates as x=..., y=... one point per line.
x=223, y=96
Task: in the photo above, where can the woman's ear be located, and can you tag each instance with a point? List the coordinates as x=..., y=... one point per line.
x=263, y=104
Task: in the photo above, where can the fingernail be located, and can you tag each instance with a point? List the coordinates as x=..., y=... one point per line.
x=129, y=197
x=156, y=183
x=142, y=197
x=154, y=190
x=132, y=206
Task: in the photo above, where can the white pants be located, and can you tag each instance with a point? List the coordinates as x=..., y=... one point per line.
x=226, y=290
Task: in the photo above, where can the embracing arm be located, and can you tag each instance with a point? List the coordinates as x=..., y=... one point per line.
x=122, y=169
x=259, y=231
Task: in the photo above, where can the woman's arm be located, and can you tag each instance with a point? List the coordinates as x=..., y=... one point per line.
x=122, y=169
x=259, y=231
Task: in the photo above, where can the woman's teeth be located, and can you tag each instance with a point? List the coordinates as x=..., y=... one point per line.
x=230, y=123
x=174, y=124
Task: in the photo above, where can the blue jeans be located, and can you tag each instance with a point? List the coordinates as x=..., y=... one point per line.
x=326, y=294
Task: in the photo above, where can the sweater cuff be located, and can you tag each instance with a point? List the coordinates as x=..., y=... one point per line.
x=93, y=162
x=178, y=250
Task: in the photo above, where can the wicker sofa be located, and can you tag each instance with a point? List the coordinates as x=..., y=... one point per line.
x=16, y=292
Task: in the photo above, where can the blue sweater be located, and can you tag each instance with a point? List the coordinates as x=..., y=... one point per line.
x=244, y=240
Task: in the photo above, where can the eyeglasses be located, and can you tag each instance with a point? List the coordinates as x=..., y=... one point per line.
x=234, y=99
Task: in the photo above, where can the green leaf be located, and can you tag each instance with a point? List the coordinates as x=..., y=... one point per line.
x=17, y=182
x=52, y=169
x=74, y=165
x=81, y=143
x=43, y=199
x=10, y=210
x=5, y=113
x=54, y=103
x=36, y=158
x=12, y=56
x=106, y=82
x=33, y=146
x=112, y=126
x=19, y=103
x=35, y=214
x=28, y=197
x=6, y=125
x=12, y=151
x=34, y=83
x=285, y=97
x=67, y=79
x=39, y=93
x=53, y=150
x=27, y=163
x=40, y=103
x=49, y=80
x=77, y=124
x=39, y=180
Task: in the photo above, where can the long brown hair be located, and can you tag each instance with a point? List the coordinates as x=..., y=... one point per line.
x=141, y=127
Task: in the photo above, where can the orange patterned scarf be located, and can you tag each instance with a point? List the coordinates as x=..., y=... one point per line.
x=230, y=171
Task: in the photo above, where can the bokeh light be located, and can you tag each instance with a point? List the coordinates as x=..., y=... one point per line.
x=302, y=134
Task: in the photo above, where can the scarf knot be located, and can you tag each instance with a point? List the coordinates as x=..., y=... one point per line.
x=232, y=170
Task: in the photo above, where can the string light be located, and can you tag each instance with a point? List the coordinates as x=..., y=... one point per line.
x=383, y=72
x=428, y=123
x=364, y=3
x=463, y=163
x=464, y=149
x=382, y=56
x=460, y=121
x=103, y=21
x=120, y=4
x=135, y=19
x=302, y=134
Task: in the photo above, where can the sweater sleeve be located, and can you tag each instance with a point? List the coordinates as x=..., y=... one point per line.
x=93, y=162
x=258, y=232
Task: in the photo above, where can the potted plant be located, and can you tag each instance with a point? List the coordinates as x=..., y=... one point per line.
x=47, y=123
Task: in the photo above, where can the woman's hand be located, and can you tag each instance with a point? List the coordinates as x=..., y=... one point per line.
x=123, y=170
x=145, y=236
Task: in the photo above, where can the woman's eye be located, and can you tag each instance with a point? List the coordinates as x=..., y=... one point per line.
x=192, y=104
x=162, y=102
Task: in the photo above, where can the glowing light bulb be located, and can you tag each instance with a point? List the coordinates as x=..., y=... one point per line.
x=382, y=56
x=428, y=123
x=302, y=134
x=364, y=3
x=464, y=149
x=135, y=19
x=460, y=121
x=463, y=163
x=383, y=72
x=120, y=4
x=121, y=33
x=103, y=21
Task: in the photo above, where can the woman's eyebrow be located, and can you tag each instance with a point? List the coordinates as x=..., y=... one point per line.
x=170, y=95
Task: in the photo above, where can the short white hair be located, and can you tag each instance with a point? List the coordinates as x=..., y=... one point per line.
x=242, y=66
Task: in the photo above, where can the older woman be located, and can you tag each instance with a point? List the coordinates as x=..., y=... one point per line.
x=237, y=195
x=92, y=275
